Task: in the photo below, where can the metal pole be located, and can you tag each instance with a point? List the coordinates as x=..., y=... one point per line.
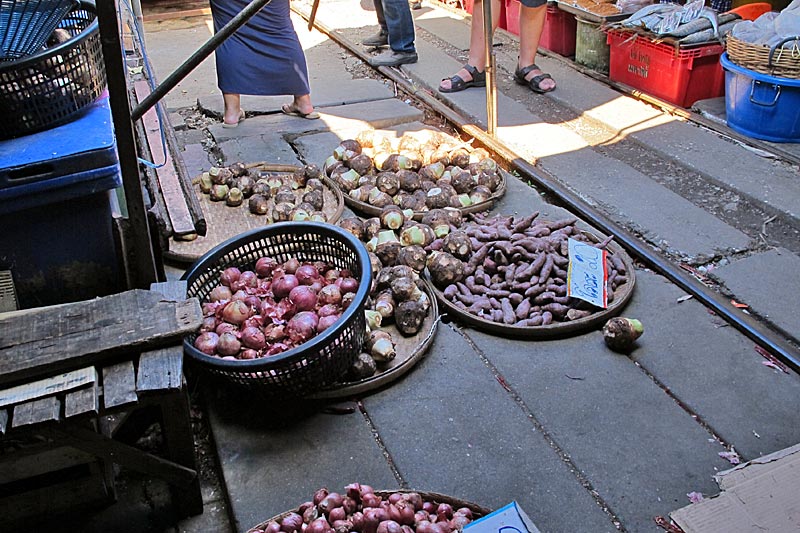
x=141, y=266
x=491, y=87
x=196, y=58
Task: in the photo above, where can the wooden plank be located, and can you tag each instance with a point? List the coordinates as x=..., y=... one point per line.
x=40, y=459
x=177, y=429
x=48, y=387
x=3, y=421
x=177, y=209
x=82, y=402
x=36, y=412
x=172, y=290
x=122, y=454
x=119, y=385
x=161, y=370
x=66, y=337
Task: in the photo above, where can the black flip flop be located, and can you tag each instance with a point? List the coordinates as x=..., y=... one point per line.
x=457, y=83
x=534, y=84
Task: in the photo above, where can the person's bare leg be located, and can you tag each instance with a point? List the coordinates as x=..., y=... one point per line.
x=477, y=40
x=531, y=24
x=233, y=108
x=302, y=103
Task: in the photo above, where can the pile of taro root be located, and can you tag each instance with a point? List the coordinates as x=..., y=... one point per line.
x=360, y=510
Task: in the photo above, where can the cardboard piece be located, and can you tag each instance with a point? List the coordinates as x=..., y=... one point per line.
x=508, y=519
x=760, y=495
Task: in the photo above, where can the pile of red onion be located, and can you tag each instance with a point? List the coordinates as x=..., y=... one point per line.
x=272, y=308
x=360, y=510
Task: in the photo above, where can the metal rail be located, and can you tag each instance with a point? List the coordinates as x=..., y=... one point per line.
x=768, y=339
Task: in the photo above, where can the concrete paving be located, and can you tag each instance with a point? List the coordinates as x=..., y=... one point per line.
x=586, y=440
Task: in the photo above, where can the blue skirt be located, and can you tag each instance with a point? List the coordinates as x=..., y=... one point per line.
x=263, y=57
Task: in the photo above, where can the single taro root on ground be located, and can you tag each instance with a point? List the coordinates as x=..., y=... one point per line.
x=620, y=333
x=515, y=272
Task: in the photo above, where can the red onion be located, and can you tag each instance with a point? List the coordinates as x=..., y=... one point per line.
x=219, y=293
x=369, y=499
x=446, y=509
x=236, y=312
x=337, y=513
x=407, y=529
x=330, y=294
x=353, y=491
x=310, y=514
x=265, y=266
x=366, y=489
x=253, y=301
x=291, y=522
x=414, y=499
x=248, y=353
x=395, y=497
x=347, y=285
x=228, y=344
x=275, y=332
x=426, y=527
x=207, y=342
x=421, y=516
x=402, y=512
x=253, y=337
x=302, y=327
x=229, y=276
x=304, y=298
x=285, y=309
x=326, y=321
x=371, y=520
x=389, y=526
x=247, y=279
x=443, y=526
x=459, y=521
x=358, y=521
x=466, y=511
x=291, y=265
x=272, y=527
x=255, y=321
x=320, y=525
x=304, y=506
x=239, y=295
x=342, y=526
x=226, y=327
x=306, y=274
x=333, y=499
x=350, y=505
x=209, y=324
x=320, y=495
x=331, y=275
x=317, y=285
x=282, y=286
x=347, y=299
x=345, y=273
x=429, y=507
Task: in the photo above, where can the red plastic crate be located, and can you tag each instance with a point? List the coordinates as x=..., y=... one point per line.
x=502, y=22
x=680, y=76
x=558, y=34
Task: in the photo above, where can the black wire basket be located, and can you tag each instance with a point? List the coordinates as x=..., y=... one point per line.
x=53, y=86
x=315, y=364
x=26, y=25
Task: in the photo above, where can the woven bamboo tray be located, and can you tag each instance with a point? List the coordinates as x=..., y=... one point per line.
x=363, y=208
x=409, y=351
x=477, y=510
x=776, y=61
x=226, y=222
x=622, y=294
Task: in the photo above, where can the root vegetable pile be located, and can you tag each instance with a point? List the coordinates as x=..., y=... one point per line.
x=515, y=272
x=359, y=510
x=272, y=308
x=297, y=197
x=411, y=173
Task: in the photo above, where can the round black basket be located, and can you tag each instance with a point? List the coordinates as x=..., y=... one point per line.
x=53, y=86
x=322, y=360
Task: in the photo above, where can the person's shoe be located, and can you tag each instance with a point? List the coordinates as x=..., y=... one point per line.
x=391, y=58
x=415, y=4
x=379, y=39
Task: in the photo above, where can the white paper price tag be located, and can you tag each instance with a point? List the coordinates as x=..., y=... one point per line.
x=587, y=273
x=508, y=519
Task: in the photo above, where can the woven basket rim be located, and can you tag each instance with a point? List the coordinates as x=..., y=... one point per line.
x=756, y=57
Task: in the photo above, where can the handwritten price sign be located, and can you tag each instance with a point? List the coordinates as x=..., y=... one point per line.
x=587, y=274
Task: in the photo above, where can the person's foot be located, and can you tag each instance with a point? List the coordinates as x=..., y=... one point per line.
x=536, y=79
x=229, y=120
x=467, y=77
x=379, y=39
x=392, y=58
x=415, y=4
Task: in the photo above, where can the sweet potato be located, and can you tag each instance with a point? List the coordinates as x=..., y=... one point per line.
x=508, y=311
x=525, y=223
x=547, y=318
x=532, y=320
x=523, y=309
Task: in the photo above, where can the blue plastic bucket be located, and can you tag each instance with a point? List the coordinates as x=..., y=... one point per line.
x=761, y=106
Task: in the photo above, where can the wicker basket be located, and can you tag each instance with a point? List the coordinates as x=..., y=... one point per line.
x=317, y=363
x=776, y=61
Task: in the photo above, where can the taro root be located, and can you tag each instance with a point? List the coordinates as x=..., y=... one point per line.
x=361, y=193
x=354, y=225
x=380, y=346
x=426, y=185
x=413, y=256
x=298, y=179
x=445, y=269
x=396, y=162
x=454, y=216
x=388, y=182
x=219, y=175
x=440, y=155
x=363, y=367
x=404, y=288
x=318, y=216
x=347, y=180
x=409, y=143
x=458, y=244
x=438, y=197
x=314, y=184
x=234, y=198
x=219, y=193
x=480, y=154
x=305, y=206
x=432, y=171
x=378, y=198
x=285, y=194
x=245, y=184
x=392, y=217
x=299, y=215
x=372, y=226
x=361, y=163
x=205, y=183
x=409, y=316
x=312, y=171
x=414, y=160
x=620, y=333
x=463, y=200
x=388, y=247
x=419, y=234
x=375, y=263
x=385, y=304
x=369, y=179
x=347, y=145
x=275, y=184
x=258, y=204
x=409, y=180
x=480, y=194
x=489, y=179
x=238, y=169
x=406, y=201
x=282, y=211
x=459, y=157
x=331, y=165
x=461, y=180
x=315, y=199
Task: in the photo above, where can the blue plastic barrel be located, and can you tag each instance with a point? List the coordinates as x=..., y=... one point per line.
x=761, y=106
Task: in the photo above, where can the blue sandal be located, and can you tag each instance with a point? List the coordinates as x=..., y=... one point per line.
x=457, y=83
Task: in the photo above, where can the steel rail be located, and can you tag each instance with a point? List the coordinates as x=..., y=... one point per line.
x=759, y=333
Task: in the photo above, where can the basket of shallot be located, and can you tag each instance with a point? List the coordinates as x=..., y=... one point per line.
x=360, y=509
x=283, y=307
